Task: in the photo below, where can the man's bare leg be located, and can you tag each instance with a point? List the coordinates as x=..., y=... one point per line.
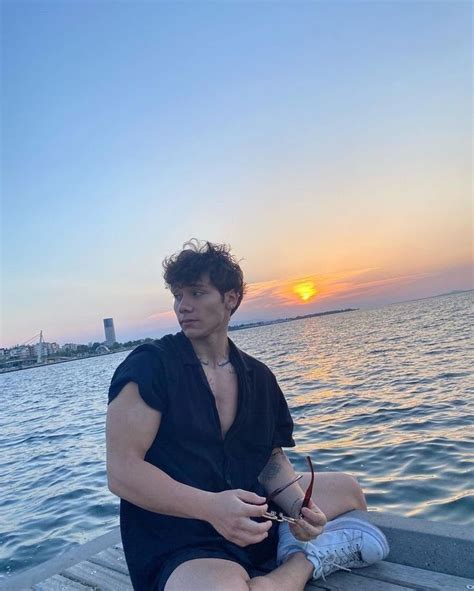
x=208, y=574
x=290, y=576
x=215, y=574
x=335, y=493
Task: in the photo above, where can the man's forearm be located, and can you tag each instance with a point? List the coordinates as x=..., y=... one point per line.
x=277, y=472
x=150, y=488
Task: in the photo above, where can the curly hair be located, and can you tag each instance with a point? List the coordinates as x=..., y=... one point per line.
x=200, y=258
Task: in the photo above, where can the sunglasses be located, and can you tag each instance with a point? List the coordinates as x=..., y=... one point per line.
x=273, y=515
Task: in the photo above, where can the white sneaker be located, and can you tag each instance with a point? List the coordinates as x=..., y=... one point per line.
x=345, y=543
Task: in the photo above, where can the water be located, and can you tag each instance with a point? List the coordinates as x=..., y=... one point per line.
x=384, y=394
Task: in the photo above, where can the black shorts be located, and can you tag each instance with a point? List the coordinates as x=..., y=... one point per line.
x=253, y=558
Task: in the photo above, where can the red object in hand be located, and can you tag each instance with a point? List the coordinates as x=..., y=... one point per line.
x=309, y=490
x=276, y=492
x=307, y=497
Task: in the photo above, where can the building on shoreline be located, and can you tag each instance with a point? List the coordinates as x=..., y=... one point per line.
x=109, y=330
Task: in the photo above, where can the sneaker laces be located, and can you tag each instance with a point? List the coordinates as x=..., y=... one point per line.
x=332, y=561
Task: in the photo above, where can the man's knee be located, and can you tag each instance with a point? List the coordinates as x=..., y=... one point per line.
x=205, y=574
x=354, y=492
x=231, y=584
x=260, y=584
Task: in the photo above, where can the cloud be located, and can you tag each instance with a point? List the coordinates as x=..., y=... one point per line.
x=333, y=286
x=162, y=316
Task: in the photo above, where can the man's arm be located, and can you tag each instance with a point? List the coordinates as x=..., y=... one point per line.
x=131, y=429
x=277, y=472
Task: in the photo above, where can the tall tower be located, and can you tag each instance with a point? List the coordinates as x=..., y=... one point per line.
x=109, y=331
x=40, y=348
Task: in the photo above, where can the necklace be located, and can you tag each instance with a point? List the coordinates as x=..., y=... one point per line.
x=222, y=364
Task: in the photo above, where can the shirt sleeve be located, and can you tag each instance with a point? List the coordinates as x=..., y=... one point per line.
x=143, y=367
x=283, y=435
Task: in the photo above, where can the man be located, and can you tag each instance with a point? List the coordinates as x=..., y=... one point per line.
x=195, y=430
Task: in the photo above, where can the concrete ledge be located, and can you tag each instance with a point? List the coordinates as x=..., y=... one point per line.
x=60, y=563
x=431, y=545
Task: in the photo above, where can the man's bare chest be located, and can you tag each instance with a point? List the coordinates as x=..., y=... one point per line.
x=224, y=386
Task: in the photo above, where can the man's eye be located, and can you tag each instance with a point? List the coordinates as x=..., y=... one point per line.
x=198, y=293
x=177, y=296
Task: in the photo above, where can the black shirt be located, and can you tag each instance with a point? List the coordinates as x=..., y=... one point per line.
x=189, y=445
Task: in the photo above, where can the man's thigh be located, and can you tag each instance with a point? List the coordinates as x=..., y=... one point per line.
x=208, y=574
x=335, y=493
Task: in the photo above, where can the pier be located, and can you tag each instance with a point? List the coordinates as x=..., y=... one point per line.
x=424, y=556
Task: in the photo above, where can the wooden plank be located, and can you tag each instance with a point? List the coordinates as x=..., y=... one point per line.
x=41, y=572
x=422, y=546
x=60, y=583
x=417, y=578
x=112, y=558
x=341, y=581
x=319, y=585
x=430, y=545
x=99, y=577
x=344, y=581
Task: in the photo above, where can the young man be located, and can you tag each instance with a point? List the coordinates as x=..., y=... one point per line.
x=195, y=430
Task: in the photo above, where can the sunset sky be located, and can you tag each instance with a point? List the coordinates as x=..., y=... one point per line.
x=328, y=142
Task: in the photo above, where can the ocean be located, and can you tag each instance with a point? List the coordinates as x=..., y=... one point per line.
x=384, y=394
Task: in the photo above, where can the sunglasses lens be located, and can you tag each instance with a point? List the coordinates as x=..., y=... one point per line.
x=282, y=488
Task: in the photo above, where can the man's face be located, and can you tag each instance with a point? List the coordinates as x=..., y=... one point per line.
x=200, y=308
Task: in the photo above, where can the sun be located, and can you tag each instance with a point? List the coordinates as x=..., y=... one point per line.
x=305, y=290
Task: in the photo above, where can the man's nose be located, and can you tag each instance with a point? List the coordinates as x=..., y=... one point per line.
x=185, y=305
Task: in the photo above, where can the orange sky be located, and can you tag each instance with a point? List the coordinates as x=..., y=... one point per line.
x=347, y=172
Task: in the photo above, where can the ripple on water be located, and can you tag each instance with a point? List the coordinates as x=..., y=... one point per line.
x=385, y=395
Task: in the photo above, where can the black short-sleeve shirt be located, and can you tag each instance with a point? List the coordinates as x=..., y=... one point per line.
x=189, y=445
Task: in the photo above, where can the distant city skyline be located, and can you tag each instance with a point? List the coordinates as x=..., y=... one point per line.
x=235, y=322
x=329, y=143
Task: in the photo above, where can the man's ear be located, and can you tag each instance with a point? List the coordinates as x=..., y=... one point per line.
x=230, y=299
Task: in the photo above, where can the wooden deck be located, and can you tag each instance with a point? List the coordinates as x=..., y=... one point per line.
x=424, y=556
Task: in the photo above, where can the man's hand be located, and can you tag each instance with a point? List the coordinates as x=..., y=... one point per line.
x=311, y=525
x=231, y=513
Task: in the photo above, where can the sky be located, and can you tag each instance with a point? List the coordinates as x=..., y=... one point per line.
x=329, y=143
